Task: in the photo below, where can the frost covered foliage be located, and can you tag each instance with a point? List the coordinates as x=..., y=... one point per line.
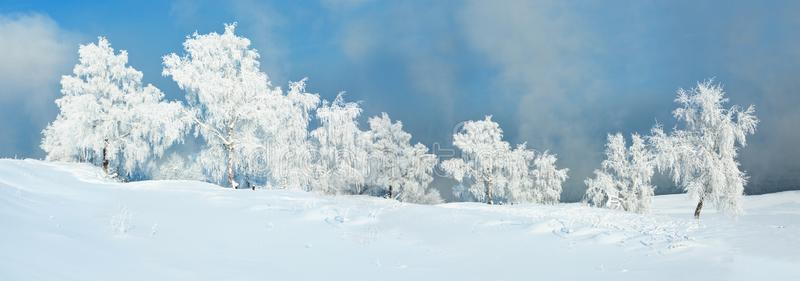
x=623, y=181
x=277, y=148
x=224, y=86
x=701, y=155
x=490, y=171
x=341, y=165
x=107, y=117
x=289, y=152
x=177, y=167
x=397, y=168
x=547, y=179
x=251, y=129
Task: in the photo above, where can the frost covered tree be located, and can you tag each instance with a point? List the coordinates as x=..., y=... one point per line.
x=483, y=155
x=288, y=152
x=640, y=174
x=108, y=117
x=341, y=162
x=276, y=147
x=230, y=100
x=701, y=155
x=547, y=179
x=532, y=177
x=518, y=182
x=403, y=171
x=492, y=172
x=623, y=181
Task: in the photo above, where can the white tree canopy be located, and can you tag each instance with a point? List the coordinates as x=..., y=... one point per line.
x=399, y=169
x=230, y=101
x=701, y=155
x=547, y=179
x=341, y=165
x=108, y=117
x=289, y=151
x=623, y=181
x=492, y=172
x=483, y=154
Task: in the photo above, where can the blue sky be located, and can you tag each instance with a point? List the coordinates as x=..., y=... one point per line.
x=559, y=75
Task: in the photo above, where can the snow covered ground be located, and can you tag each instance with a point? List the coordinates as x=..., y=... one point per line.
x=61, y=221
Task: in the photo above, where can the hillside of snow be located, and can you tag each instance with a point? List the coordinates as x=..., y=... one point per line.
x=62, y=221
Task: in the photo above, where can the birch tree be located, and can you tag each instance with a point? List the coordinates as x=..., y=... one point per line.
x=623, y=181
x=341, y=162
x=403, y=171
x=701, y=154
x=227, y=94
x=108, y=117
x=483, y=155
x=492, y=172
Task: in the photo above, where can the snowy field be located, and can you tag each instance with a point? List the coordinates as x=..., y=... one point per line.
x=63, y=221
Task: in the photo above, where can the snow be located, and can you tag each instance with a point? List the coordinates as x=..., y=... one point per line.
x=65, y=221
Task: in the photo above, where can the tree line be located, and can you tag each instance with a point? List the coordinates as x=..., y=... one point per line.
x=254, y=134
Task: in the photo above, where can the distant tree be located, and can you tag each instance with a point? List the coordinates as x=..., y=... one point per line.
x=107, y=117
x=518, y=181
x=230, y=101
x=492, y=172
x=276, y=146
x=547, y=179
x=402, y=170
x=701, y=155
x=289, y=152
x=341, y=162
x=483, y=155
x=641, y=170
x=623, y=182
x=533, y=177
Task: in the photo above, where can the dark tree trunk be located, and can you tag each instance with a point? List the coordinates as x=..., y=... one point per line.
x=390, y=192
x=105, y=156
x=697, y=210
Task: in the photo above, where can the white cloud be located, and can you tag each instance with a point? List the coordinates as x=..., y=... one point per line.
x=542, y=51
x=34, y=53
x=427, y=60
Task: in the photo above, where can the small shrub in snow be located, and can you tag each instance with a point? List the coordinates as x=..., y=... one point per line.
x=121, y=222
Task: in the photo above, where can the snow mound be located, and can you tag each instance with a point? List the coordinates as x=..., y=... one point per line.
x=66, y=221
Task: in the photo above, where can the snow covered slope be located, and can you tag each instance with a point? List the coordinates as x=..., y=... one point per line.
x=61, y=221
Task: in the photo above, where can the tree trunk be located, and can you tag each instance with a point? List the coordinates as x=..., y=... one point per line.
x=489, y=193
x=390, y=192
x=697, y=210
x=230, y=167
x=105, y=156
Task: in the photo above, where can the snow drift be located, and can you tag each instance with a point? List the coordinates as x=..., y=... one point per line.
x=66, y=221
